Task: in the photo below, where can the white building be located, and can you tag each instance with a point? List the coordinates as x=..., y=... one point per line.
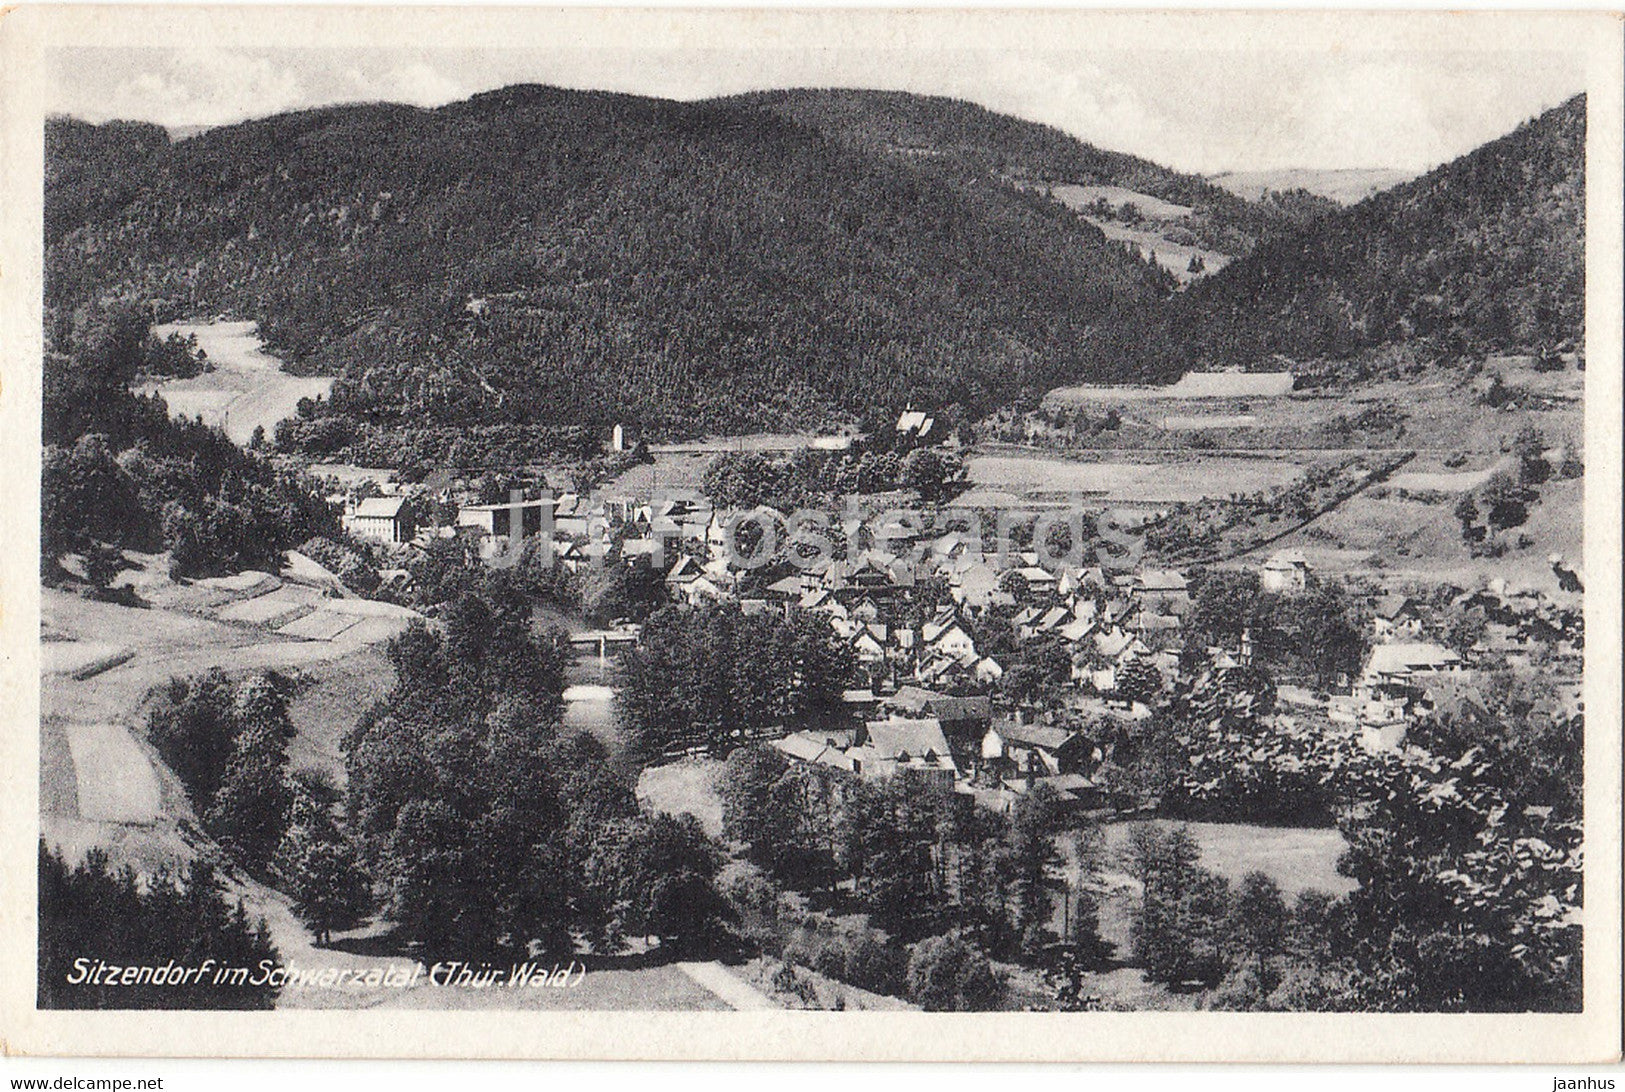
x=1286, y=571
x=382, y=519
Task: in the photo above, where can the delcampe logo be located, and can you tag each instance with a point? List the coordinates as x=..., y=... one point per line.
x=808, y=537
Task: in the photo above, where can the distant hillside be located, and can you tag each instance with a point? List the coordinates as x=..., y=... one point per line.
x=536, y=255
x=1486, y=253
x=928, y=129
x=1345, y=187
x=779, y=260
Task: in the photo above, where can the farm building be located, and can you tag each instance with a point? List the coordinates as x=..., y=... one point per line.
x=1403, y=663
x=1395, y=618
x=915, y=423
x=1013, y=749
x=879, y=749
x=382, y=519
x=885, y=747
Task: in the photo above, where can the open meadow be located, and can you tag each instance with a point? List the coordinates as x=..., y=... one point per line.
x=1145, y=480
x=247, y=388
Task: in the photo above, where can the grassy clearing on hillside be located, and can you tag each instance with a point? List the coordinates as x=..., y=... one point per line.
x=1419, y=477
x=685, y=788
x=331, y=698
x=113, y=776
x=1418, y=537
x=671, y=470
x=1441, y=411
x=1078, y=197
x=1159, y=480
x=58, y=787
x=1172, y=256
x=247, y=388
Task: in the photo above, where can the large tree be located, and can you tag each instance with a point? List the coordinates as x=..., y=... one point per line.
x=711, y=675
x=657, y=877
x=318, y=864
x=951, y=974
x=249, y=813
x=1179, y=933
x=453, y=788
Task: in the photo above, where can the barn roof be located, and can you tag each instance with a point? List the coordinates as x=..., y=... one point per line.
x=380, y=507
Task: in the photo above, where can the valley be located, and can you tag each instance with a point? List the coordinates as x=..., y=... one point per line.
x=1330, y=462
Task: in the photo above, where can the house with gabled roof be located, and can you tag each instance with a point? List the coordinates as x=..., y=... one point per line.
x=1038, y=580
x=1163, y=591
x=938, y=670
x=956, y=546
x=1286, y=571
x=383, y=519
x=963, y=719
x=1075, y=630
x=976, y=586
x=1051, y=620
x=915, y=423
x=1395, y=617
x=915, y=744
x=685, y=570
x=1407, y=663
x=946, y=636
x=987, y=670
x=1012, y=748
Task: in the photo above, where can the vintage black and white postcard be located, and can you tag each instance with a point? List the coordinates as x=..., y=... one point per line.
x=813, y=534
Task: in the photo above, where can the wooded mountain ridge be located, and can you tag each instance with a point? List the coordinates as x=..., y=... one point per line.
x=774, y=260
x=1483, y=254
x=535, y=254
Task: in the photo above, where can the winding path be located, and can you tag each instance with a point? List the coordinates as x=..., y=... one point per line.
x=735, y=992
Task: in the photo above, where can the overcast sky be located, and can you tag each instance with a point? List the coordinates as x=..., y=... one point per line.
x=1203, y=112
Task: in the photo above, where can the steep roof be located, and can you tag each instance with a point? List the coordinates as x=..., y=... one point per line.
x=1163, y=580
x=951, y=709
x=1287, y=559
x=1391, y=606
x=912, y=699
x=380, y=507
x=1044, y=736
x=1405, y=656
x=914, y=737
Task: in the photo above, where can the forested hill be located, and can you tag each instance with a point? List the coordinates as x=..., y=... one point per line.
x=550, y=256
x=926, y=129
x=1485, y=253
x=94, y=170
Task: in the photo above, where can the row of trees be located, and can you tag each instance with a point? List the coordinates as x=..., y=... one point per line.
x=92, y=913
x=320, y=431
x=809, y=477
x=918, y=858
x=712, y=675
